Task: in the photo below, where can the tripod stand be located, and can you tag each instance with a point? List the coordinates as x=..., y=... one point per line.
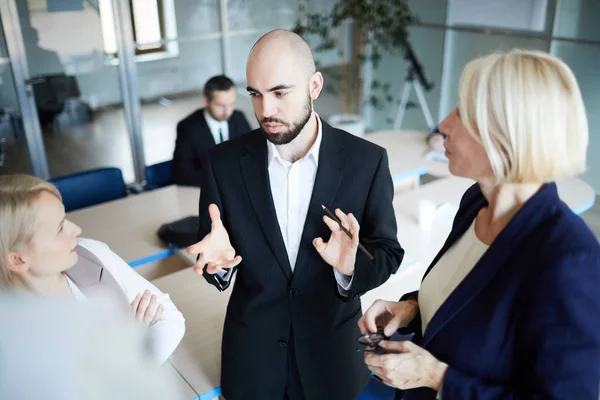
x=409, y=81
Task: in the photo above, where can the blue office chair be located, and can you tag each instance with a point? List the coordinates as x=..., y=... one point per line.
x=159, y=175
x=87, y=188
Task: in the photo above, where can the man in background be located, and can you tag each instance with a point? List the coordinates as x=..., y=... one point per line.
x=217, y=122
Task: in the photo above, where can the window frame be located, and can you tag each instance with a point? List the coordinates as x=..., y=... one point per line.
x=167, y=23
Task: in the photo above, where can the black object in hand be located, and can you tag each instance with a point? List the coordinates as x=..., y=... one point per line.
x=370, y=342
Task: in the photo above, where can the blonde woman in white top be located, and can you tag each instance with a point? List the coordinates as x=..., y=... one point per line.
x=41, y=254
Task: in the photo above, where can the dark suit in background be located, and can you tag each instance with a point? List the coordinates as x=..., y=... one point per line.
x=525, y=322
x=271, y=306
x=194, y=139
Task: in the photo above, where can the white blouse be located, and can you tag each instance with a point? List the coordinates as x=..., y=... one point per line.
x=448, y=273
x=77, y=294
x=165, y=334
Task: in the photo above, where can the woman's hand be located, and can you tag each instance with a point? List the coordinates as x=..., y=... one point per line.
x=406, y=366
x=388, y=316
x=145, y=309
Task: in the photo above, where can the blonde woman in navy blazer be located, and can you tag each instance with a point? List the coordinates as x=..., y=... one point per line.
x=510, y=307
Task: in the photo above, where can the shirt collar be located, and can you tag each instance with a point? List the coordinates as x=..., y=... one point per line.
x=211, y=121
x=312, y=152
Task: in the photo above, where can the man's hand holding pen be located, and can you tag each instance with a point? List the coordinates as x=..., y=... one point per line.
x=340, y=250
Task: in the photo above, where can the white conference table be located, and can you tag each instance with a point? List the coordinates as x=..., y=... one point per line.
x=198, y=357
x=185, y=391
x=407, y=152
x=129, y=225
x=406, y=155
x=577, y=194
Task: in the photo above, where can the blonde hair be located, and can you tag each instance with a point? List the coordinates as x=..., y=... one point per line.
x=17, y=215
x=526, y=109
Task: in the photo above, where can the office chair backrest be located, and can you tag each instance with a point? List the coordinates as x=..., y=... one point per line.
x=88, y=188
x=51, y=91
x=159, y=175
x=64, y=87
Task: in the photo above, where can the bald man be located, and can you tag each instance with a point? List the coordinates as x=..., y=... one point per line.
x=291, y=324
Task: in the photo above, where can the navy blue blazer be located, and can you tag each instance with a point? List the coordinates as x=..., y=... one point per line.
x=525, y=322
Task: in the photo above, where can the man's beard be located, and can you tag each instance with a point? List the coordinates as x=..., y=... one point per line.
x=291, y=133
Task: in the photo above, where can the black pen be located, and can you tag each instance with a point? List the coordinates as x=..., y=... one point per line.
x=336, y=219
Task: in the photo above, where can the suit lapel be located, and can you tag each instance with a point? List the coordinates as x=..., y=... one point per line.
x=458, y=230
x=256, y=177
x=232, y=126
x=87, y=271
x=206, y=128
x=93, y=279
x=528, y=217
x=327, y=181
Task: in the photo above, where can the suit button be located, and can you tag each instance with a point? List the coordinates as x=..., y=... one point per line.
x=294, y=292
x=281, y=343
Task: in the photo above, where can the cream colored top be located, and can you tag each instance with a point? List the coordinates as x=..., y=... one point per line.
x=448, y=273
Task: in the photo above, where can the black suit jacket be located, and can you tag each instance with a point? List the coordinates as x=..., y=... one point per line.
x=194, y=139
x=268, y=300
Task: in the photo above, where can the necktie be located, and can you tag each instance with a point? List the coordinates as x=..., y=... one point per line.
x=221, y=135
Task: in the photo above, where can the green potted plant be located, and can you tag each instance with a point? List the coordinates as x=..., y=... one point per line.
x=374, y=27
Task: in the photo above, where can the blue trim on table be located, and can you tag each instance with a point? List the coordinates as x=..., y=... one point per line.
x=585, y=207
x=409, y=174
x=154, y=257
x=210, y=395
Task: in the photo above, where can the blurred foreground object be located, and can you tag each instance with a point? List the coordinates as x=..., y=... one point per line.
x=71, y=351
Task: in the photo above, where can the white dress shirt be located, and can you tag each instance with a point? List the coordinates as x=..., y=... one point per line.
x=292, y=186
x=165, y=334
x=215, y=126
